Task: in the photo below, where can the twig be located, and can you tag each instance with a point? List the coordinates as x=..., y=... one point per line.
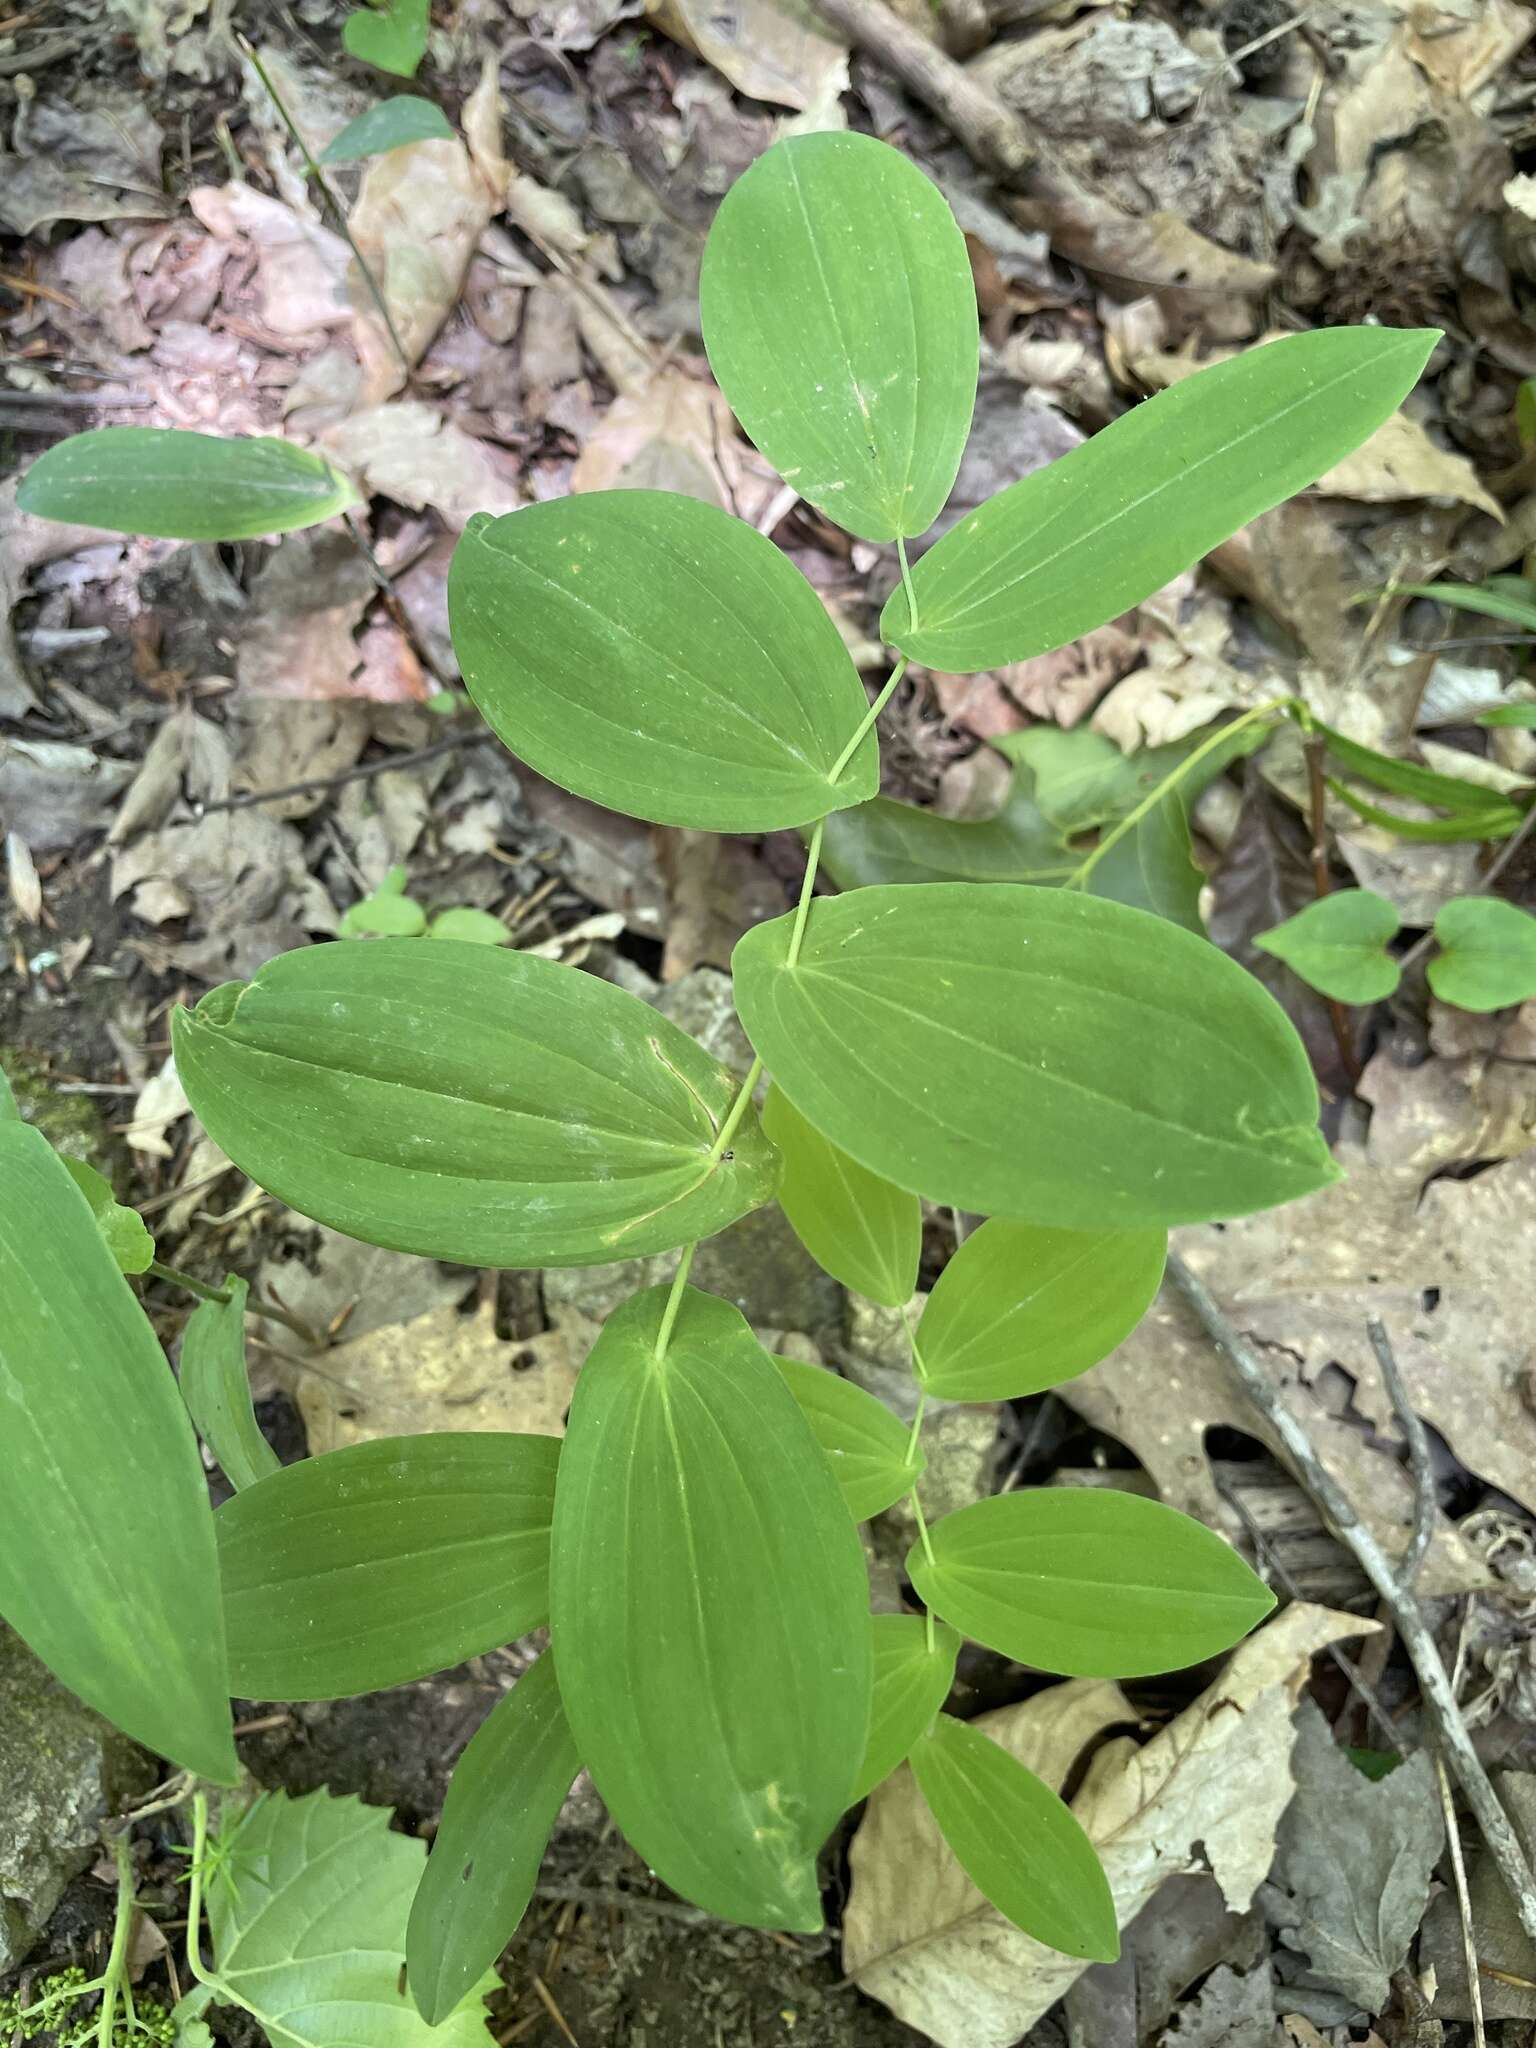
x=991, y=131
x=592, y=1895
x=385, y=585
x=1434, y=1683
x=1420, y=1463
x=1314, y=750
x=314, y=782
x=158, y=1270
x=1506, y=854
x=1463, y=1902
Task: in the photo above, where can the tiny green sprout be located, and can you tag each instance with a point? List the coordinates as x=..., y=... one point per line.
x=1041, y=1033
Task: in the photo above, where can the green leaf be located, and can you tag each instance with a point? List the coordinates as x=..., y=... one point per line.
x=1088, y=537
x=389, y=125
x=125, y=1231
x=217, y=1389
x=1407, y=778
x=912, y=1681
x=856, y=1226
x=868, y=1448
x=385, y=1561
x=710, y=1615
x=658, y=656
x=1525, y=412
x=1020, y=1308
x=182, y=486
x=1487, y=601
x=1509, y=714
x=1488, y=954
x=1089, y=1582
x=392, y=37
x=386, y=914
x=1462, y=828
x=307, y=1909
x=1338, y=945
x=840, y=320
x=469, y=1103
x=107, y=1564
x=503, y=1801
x=1035, y=1053
x=1022, y=1848
x=475, y=927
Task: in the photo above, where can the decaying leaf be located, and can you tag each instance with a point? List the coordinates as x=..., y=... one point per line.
x=919, y=1937
x=676, y=433
x=1499, y=1937
x=1233, y=2010
x=410, y=452
x=774, y=50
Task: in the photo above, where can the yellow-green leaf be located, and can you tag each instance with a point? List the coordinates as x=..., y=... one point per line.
x=217, y=1389
x=871, y=1452
x=183, y=486
x=914, y=1671
x=855, y=1225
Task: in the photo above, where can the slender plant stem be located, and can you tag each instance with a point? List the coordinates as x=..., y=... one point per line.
x=337, y=210
x=195, y=1888
x=735, y=1113
x=674, y=1300
x=803, y=907
x=869, y=718
x=1133, y=818
x=117, y=1958
x=920, y=1374
x=158, y=1270
x=906, y=583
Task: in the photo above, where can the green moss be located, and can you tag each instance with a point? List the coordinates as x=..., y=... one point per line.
x=72, y=1124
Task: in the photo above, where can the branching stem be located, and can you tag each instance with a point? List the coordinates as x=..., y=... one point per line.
x=172, y=1275
x=867, y=721
x=906, y=583
x=115, y=1978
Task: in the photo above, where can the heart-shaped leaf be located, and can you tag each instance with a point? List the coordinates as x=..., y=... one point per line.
x=658, y=656
x=840, y=319
x=217, y=1388
x=1089, y=536
x=469, y=1103
x=1088, y=1582
x=385, y=1561
x=107, y=1562
x=503, y=1801
x=182, y=486
x=1020, y=1846
x=392, y=38
x=1488, y=954
x=1338, y=945
x=1020, y=1307
x=871, y=1452
x=709, y=1610
x=856, y=1226
x=1035, y=1053
x=914, y=1671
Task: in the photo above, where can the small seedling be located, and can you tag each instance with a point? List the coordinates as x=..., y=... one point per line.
x=1485, y=957
x=390, y=913
x=1080, y=1071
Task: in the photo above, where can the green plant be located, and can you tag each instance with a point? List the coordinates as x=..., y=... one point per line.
x=1486, y=957
x=389, y=913
x=1082, y=1072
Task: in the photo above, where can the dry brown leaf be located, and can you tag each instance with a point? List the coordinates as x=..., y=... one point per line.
x=300, y=267
x=1186, y=682
x=717, y=889
x=676, y=433
x=409, y=452
x=1444, y=1112
x=917, y=1934
x=442, y=1370
x=1461, y=47
x=774, y=50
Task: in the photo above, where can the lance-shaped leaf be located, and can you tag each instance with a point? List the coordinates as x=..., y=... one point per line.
x=1021, y=1307
x=914, y=1670
x=126, y=1234
x=656, y=655
x=1087, y=537
x=871, y=1452
x=840, y=320
x=385, y=1561
x=1035, y=1053
x=855, y=1225
x=183, y=486
x=1488, y=956
x=1477, y=812
x=389, y=125
x=1338, y=944
x=503, y=1800
x=709, y=1611
x=107, y=1563
x=217, y=1388
x=1020, y=1846
x=468, y=1103
x=1088, y=1582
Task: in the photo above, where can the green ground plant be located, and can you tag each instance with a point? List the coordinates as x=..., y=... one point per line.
x=1050, y=1053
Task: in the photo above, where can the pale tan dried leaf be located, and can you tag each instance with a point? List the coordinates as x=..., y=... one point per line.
x=676, y=433
x=161, y=1102
x=1461, y=57
x=26, y=890
x=774, y=50
x=918, y=1936
x=301, y=267
x=409, y=452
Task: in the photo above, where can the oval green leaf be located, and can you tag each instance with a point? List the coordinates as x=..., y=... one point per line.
x=125, y=1231
x=869, y=1449
x=1488, y=956
x=503, y=1800
x=107, y=1562
x=840, y=321
x=1091, y=535
x=468, y=1103
x=475, y=927
x=856, y=1226
x=658, y=656
x=709, y=1611
x=1338, y=945
x=1089, y=1582
x=386, y=1561
x=913, y=1678
x=1035, y=1053
x=1021, y=1307
x=217, y=1389
x=183, y=486
x=1022, y=1847
x=389, y=125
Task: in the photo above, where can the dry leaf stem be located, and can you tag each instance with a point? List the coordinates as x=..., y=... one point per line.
x=1434, y=1683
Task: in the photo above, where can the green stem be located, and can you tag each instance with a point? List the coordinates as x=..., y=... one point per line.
x=920, y=1374
x=117, y=1958
x=734, y=1114
x=1170, y=781
x=195, y=1890
x=803, y=907
x=674, y=1301
x=158, y=1270
x=337, y=210
x=906, y=583
x=869, y=718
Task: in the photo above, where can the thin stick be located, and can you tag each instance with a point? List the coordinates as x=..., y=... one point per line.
x=1434, y=1683
x=1507, y=852
x=1322, y=885
x=1420, y=1463
x=318, y=782
x=158, y=1270
x=1463, y=1902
